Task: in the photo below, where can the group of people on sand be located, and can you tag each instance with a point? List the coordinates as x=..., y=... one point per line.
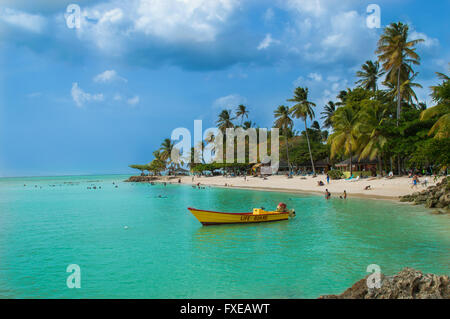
x=320, y=183
x=416, y=181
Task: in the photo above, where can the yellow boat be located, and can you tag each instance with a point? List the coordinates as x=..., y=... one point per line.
x=257, y=216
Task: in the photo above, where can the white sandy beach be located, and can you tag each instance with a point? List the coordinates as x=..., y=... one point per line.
x=380, y=188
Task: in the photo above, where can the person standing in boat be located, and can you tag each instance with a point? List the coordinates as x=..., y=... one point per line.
x=281, y=208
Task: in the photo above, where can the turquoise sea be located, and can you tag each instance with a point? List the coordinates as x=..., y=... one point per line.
x=131, y=244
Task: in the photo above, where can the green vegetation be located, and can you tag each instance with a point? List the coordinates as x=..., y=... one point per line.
x=335, y=174
x=389, y=125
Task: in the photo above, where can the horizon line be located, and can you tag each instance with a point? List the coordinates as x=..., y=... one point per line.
x=68, y=175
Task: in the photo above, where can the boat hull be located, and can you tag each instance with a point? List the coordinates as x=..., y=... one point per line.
x=208, y=218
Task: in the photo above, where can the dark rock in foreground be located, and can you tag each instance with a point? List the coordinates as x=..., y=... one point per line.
x=407, y=284
x=433, y=197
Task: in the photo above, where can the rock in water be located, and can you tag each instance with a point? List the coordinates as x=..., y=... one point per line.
x=141, y=179
x=407, y=284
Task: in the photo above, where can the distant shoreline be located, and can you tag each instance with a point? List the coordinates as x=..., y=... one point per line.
x=384, y=189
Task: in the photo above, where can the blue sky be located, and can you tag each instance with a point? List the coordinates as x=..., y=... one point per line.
x=95, y=99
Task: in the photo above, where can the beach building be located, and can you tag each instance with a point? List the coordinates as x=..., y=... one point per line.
x=358, y=165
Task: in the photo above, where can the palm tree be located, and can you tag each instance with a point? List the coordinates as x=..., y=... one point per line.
x=224, y=121
x=316, y=126
x=345, y=136
x=369, y=74
x=165, y=152
x=303, y=109
x=284, y=122
x=247, y=125
x=328, y=112
x=397, y=54
x=342, y=97
x=441, y=128
x=441, y=95
x=372, y=138
x=422, y=106
x=241, y=112
x=158, y=164
x=406, y=90
x=166, y=149
x=210, y=140
x=195, y=157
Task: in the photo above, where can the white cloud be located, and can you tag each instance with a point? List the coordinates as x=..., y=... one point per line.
x=268, y=15
x=429, y=42
x=112, y=16
x=313, y=7
x=80, y=97
x=315, y=76
x=324, y=32
x=108, y=76
x=266, y=42
x=105, y=26
x=344, y=28
x=229, y=102
x=30, y=22
x=175, y=20
x=114, y=26
x=134, y=100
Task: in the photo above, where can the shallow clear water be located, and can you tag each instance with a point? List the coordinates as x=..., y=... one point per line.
x=166, y=253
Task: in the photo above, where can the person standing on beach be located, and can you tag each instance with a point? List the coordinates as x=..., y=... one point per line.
x=328, y=179
x=415, y=181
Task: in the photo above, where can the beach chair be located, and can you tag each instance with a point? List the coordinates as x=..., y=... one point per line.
x=355, y=179
x=350, y=178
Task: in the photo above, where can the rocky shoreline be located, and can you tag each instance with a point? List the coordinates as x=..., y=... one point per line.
x=407, y=284
x=433, y=197
x=148, y=179
x=141, y=179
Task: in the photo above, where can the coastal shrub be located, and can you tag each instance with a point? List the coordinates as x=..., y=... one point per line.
x=335, y=174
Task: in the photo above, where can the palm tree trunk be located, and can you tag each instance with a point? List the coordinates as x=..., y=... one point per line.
x=398, y=111
x=351, y=163
x=287, y=152
x=380, y=164
x=309, y=147
x=398, y=97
